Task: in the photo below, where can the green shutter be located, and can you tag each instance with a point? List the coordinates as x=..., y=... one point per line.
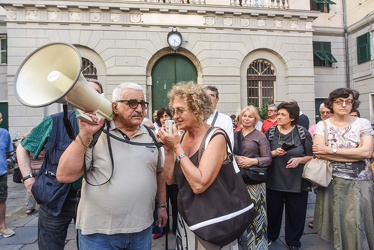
x=323, y=51
x=324, y=1
x=331, y=58
x=363, y=48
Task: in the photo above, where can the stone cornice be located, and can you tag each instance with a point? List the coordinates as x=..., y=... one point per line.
x=150, y=14
x=364, y=22
x=328, y=31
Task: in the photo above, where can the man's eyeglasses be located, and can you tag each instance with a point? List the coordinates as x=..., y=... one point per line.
x=134, y=103
x=178, y=111
x=325, y=112
x=271, y=110
x=341, y=101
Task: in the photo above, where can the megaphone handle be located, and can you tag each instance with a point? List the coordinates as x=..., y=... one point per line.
x=85, y=118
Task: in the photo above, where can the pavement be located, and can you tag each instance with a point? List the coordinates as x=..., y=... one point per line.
x=25, y=227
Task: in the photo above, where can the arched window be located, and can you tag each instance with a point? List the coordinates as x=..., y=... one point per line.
x=88, y=69
x=260, y=83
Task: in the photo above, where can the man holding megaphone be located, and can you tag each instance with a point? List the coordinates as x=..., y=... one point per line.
x=122, y=168
x=54, y=217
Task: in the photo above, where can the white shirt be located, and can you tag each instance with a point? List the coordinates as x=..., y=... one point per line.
x=223, y=121
x=258, y=125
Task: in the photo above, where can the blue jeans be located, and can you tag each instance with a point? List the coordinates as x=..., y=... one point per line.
x=52, y=230
x=131, y=241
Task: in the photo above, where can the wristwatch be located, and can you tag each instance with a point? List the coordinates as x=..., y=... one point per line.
x=27, y=177
x=179, y=157
x=334, y=150
x=163, y=205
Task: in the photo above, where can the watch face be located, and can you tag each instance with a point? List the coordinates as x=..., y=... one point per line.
x=174, y=40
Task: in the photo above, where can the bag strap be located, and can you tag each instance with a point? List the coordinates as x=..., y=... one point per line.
x=91, y=166
x=209, y=136
x=108, y=134
x=152, y=134
x=67, y=123
x=326, y=141
x=214, y=119
x=240, y=142
x=154, y=143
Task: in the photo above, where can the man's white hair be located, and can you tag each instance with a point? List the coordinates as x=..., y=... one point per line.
x=322, y=106
x=116, y=95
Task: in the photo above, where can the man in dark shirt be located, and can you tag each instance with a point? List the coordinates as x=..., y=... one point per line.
x=52, y=229
x=303, y=119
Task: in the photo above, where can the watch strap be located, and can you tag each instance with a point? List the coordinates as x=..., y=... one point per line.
x=27, y=177
x=163, y=205
x=179, y=157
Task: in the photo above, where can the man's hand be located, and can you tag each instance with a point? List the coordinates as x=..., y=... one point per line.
x=162, y=217
x=28, y=184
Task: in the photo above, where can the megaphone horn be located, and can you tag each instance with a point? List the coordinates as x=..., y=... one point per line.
x=52, y=74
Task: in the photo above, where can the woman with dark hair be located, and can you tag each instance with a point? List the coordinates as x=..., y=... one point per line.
x=344, y=210
x=291, y=147
x=162, y=115
x=355, y=113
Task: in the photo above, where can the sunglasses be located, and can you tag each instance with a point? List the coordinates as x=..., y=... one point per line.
x=134, y=103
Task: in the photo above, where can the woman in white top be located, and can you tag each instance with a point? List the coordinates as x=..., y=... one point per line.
x=344, y=210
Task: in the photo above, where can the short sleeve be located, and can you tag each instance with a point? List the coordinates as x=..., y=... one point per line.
x=366, y=128
x=320, y=129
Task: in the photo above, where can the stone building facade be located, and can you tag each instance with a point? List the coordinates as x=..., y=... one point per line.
x=256, y=53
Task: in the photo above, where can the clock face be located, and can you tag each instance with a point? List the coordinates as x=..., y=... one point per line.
x=174, y=40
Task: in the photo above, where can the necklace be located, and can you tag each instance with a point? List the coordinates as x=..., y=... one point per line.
x=279, y=137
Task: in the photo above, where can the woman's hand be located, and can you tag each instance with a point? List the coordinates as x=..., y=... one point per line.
x=321, y=149
x=245, y=162
x=170, y=141
x=293, y=162
x=278, y=152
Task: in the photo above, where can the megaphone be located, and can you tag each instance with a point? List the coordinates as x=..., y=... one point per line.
x=52, y=74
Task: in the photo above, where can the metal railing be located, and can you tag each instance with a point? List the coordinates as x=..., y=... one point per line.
x=277, y=4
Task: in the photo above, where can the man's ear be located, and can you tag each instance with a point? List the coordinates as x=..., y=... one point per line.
x=114, y=107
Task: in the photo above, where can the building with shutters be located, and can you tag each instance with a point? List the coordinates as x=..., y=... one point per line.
x=254, y=51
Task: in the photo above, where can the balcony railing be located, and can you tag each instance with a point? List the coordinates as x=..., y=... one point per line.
x=277, y=4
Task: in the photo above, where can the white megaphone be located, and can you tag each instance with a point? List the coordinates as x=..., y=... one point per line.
x=52, y=74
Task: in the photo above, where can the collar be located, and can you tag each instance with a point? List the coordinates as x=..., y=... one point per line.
x=142, y=129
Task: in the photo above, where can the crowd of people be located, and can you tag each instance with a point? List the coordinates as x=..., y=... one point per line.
x=123, y=174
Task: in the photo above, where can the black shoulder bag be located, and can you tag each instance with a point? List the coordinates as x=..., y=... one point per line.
x=221, y=213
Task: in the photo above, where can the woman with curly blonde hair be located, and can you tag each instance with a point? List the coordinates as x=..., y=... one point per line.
x=191, y=107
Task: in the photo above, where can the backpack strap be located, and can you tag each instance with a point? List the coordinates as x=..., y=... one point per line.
x=271, y=133
x=302, y=134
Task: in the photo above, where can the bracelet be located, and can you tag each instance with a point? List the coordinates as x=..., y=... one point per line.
x=88, y=144
x=179, y=157
x=163, y=205
x=27, y=177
